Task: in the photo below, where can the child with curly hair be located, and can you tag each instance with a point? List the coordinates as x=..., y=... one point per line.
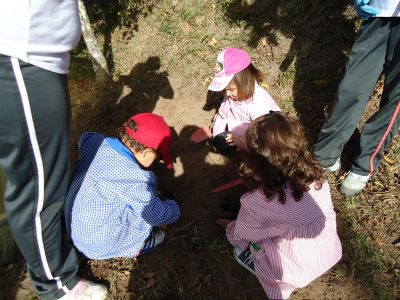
x=285, y=232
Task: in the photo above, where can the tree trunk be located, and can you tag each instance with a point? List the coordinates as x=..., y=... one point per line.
x=100, y=63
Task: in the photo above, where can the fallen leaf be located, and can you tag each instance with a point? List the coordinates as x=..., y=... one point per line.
x=265, y=86
x=213, y=42
x=186, y=27
x=389, y=160
x=379, y=242
x=264, y=41
x=206, y=82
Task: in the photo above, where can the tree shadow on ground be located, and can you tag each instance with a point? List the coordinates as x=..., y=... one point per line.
x=110, y=104
x=321, y=35
x=107, y=16
x=11, y=274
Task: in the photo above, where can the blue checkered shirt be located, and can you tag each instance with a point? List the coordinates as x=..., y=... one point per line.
x=112, y=204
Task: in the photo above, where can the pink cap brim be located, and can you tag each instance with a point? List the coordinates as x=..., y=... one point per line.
x=219, y=83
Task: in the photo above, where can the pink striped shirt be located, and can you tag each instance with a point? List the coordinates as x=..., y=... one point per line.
x=236, y=116
x=297, y=241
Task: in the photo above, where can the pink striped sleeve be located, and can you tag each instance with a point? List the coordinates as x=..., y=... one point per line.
x=246, y=229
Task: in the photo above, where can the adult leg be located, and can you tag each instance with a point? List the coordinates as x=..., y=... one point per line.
x=363, y=68
x=34, y=154
x=380, y=129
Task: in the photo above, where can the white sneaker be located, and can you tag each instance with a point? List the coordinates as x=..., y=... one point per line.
x=335, y=167
x=155, y=238
x=86, y=290
x=353, y=184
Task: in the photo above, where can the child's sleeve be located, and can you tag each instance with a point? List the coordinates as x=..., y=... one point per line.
x=233, y=238
x=247, y=229
x=88, y=144
x=158, y=212
x=221, y=121
x=161, y=212
x=262, y=105
x=219, y=125
x=83, y=140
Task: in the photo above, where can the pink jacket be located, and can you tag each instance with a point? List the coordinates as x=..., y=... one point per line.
x=236, y=116
x=296, y=241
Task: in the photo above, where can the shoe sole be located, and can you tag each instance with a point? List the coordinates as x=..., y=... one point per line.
x=349, y=192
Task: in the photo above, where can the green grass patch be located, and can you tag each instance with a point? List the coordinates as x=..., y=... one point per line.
x=168, y=26
x=363, y=259
x=81, y=62
x=218, y=245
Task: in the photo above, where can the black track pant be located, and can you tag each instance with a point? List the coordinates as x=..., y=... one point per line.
x=376, y=50
x=34, y=137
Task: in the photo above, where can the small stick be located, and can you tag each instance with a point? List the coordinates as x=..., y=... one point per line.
x=227, y=185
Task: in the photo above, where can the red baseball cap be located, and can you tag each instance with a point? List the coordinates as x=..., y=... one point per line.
x=153, y=132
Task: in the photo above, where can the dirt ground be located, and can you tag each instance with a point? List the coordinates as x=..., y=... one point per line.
x=163, y=66
x=195, y=261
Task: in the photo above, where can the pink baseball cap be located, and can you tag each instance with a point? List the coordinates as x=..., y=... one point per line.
x=229, y=62
x=152, y=131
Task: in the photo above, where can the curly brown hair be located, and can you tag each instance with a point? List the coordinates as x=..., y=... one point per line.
x=278, y=155
x=127, y=139
x=245, y=81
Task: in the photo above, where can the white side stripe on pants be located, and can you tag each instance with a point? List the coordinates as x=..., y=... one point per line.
x=39, y=166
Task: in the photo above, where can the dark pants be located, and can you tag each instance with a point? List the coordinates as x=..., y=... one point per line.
x=35, y=122
x=376, y=50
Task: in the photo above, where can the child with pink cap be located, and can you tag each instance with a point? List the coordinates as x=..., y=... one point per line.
x=113, y=208
x=244, y=99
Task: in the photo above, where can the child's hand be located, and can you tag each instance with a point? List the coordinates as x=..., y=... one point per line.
x=223, y=222
x=165, y=193
x=230, y=139
x=233, y=140
x=364, y=10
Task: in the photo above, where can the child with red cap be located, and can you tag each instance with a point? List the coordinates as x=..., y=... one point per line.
x=244, y=99
x=112, y=207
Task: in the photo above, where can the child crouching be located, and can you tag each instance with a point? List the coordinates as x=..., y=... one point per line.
x=244, y=99
x=285, y=232
x=112, y=207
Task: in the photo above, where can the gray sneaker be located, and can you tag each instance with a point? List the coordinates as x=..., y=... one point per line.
x=353, y=184
x=334, y=168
